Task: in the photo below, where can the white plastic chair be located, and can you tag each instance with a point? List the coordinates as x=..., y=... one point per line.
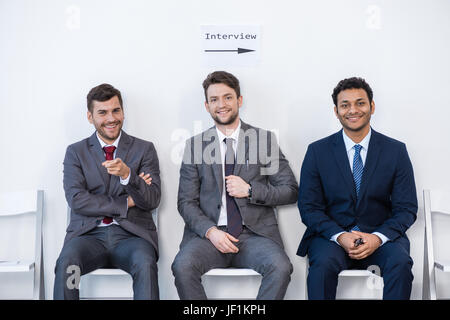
x=217, y=283
x=121, y=275
x=23, y=203
x=430, y=262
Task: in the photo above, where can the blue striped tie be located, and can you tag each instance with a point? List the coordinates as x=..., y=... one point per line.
x=357, y=168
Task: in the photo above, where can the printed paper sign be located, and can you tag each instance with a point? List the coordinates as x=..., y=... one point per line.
x=230, y=45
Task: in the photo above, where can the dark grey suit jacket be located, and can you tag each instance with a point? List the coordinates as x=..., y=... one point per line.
x=93, y=194
x=201, y=183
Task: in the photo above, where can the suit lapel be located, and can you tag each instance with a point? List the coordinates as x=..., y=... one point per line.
x=242, y=150
x=341, y=158
x=122, y=152
x=212, y=156
x=371, y=162
x=99, y=157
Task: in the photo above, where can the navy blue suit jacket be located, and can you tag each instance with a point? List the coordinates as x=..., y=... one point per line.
x=327, y=200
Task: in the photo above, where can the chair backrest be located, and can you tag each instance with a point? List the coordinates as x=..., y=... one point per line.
x=436, y=226
x=428, y=270
x=24, y=203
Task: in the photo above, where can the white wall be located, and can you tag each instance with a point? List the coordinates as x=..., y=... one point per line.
x=151, y=51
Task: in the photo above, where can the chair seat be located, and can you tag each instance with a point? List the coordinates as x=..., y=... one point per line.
x=231, y=272
x=16, y=266
x=108, y=272
x=443, y=265
x=356, y=273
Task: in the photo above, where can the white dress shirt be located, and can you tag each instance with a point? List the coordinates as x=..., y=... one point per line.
x=122, y=181
x=350, y=148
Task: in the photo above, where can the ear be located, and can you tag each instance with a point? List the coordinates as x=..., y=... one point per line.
x=372, y=107
x=335, y=111
x=89, y=117
x=240, y=101
x=207, y=106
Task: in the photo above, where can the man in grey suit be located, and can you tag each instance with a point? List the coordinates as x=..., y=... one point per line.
x=232, y=177
x=112, y=184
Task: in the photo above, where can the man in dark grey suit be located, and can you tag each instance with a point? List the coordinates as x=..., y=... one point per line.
x=232, y=177
x=111, y=193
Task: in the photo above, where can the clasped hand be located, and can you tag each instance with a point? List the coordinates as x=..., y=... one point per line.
x=370, y=243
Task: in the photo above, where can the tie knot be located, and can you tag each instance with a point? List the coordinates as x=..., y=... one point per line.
x=358, y=148
x=109, y=152
x=228, y=141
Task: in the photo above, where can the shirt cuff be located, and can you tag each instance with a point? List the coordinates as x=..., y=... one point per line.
x=125, y=181
x=334, y=238
x=383, y=238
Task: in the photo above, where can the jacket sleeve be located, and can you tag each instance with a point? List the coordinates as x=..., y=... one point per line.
x=146, y=197
x=311, y=201
x=80, y=199
x=189, y=196
x=403, y=199
x=281, y=187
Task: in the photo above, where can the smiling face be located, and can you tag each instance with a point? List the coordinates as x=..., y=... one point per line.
x=107, y=117
x=354, y=110
x=223, y=104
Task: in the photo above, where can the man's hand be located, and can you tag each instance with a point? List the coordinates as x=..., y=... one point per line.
x=146, y=178
x=347, y=240
x=236, y=187
x=117, y=167
x=222, y=240
x=371, y=243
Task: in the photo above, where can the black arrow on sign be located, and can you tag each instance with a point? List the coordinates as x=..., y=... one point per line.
x=239, y=50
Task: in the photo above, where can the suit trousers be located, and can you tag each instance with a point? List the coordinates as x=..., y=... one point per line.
x=327, y=259
x=104, y=247
x=261, y=254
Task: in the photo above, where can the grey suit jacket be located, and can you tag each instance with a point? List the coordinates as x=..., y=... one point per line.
x=93, y=194
x=201, y=182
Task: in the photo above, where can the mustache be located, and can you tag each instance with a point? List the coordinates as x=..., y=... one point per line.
x=111, y=123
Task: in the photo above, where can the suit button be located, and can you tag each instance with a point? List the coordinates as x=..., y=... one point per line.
x=218, y=206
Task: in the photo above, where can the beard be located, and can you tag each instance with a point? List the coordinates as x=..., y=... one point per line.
x=109, y=136
x=230, y=120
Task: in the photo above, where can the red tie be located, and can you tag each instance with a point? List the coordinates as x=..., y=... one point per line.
x=109, y=155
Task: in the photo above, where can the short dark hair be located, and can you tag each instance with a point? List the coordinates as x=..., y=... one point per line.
x=352, y=83
x=102, y=92
x=222, y=77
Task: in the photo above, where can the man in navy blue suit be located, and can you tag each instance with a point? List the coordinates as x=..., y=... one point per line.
x=357, y=198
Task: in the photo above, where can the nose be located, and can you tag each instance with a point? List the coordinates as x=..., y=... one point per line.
x=221, y=102
x=110, y=117
x=353, y=108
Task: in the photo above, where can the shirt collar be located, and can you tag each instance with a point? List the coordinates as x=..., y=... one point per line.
x=115, y=143
x=349, y=144
x=234, y=135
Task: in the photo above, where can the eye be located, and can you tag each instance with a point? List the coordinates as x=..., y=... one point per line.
x=361, y=103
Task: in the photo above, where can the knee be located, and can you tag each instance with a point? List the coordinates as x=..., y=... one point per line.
x=67, y=264
x=401, y=264
x=325, y=264
x=183, y=266
x=281, y=266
